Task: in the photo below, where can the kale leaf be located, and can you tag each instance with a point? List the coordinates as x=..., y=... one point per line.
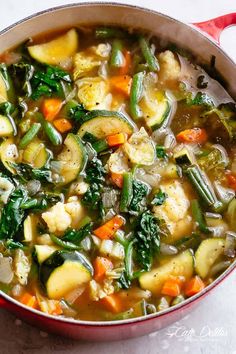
x=76, y=236
x=138, y=201
x=147, y=235
x=159, y=198
x=12, y=214
x=48, y=81
x=161, y=152
x=27, y=172
x=22, y=73
x=78, y=113
x=200, y=99
x=124, y=282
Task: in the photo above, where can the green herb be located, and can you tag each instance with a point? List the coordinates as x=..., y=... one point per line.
x=27, y=172
x=76, y=236
x=147, y=235
x=159, y=198
x=200, y=99
x=11, y=244
x=23, y=73
x=78, y=113
x=12, y=214
x=123, y=282
x=161, y=152
x=138, y=201
x=47, y=82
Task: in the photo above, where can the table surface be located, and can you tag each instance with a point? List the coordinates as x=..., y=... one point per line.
x=211, y=327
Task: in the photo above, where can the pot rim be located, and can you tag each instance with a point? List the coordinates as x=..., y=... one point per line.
x=186, y=302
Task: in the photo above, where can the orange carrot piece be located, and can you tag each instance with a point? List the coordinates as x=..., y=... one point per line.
x=117, y=178
x=231, y=179
x=121, y=84
x=171, y=287
x=108, y=230
x=57, y=310
x=51, y=107
x=116, y=139
x=101, y=265
x=195, y=135
x=194, y=286
x=62, y=125
x=112, y=303
x=29, y=300
x=124, y=70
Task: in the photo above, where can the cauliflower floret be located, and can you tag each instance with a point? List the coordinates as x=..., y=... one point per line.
x=118, y=162
x=22, y=266
x=169, y=67
x=79, y=188
x=61, y=216
x=175, y=211
x=93, y=93
x=140, y=148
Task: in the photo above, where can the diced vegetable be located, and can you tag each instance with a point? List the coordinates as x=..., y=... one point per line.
x=51, y=107
x=93, y=93
x=171, y=287
x=29, y=300
x=72, y=159
x=180, y=265
x=207, y=254
x=195, y=135
x=108, y=230
x=184, y=157
x=112, y=303
x=6, y=128
x=140, y=148
x=101, y=266
x=64, y=271
x=117, y=178
x=42, y=252
x=30, y=224
x=121, y=84
x=194, y=286
x=116, y=139
x=62, y=125
x=57, y=50
x=104, y=123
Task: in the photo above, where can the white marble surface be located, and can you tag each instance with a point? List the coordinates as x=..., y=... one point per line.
x=211, y=328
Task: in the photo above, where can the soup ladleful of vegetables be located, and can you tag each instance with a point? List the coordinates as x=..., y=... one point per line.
x=118, y=175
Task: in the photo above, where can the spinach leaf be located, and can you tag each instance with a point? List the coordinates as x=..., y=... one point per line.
x=76, y=236
x=22, y=73
x=12, y=214
x=12, y=245
x=41, y=202
x=48, y=82
x=27, y=172
x=147, y=235
x=159, y=198
x=124, y=282
x=78, y=113
x=138, y=201
x=200, y=99
x=161, y=152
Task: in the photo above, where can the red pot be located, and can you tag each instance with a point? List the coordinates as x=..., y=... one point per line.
x=186, y=36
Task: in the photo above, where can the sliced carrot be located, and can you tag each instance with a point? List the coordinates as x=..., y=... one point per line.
x=29, y=300
x=62, y=125
x=171, y=287
x=116, y=139
x=112, y=303
x=52, y=307
x=51, y=107
x=121, y=84
x=231, y=179
x=195, y=135
x=117, y=178
x=194, y=286
x=101, y=265
x=108, y=230
x=56, y=309
x=124, y=70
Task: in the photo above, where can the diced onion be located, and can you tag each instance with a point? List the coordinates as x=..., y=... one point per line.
x=6, y=272
x=219, y=267
x=168, y=250
x=73, y=295
x=230, y=243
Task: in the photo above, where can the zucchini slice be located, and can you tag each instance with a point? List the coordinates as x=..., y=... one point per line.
x=42, y=252
x=57, y=50
x=180, y=265
x=30, y=225
x=103, y=123
x=6, y=128
x=8, y=154
x=206, y=255
x=35, y=153
x=184, y=157
x=72, y=159
x=64, y=271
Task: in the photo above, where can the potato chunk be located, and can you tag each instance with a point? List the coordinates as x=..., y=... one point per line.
x=169, y=67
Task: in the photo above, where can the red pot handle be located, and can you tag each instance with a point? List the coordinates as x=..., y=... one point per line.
x=215, y=26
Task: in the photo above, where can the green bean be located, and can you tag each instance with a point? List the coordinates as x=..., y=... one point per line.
x=117, y=58
x=150, y=58
x=135, y=95
x=64, y=244
x=109, y=32
x=53, y=135
x=127, y=191
x=203, y=187
x=198, y=216
x=100, y=145
x=30, y=135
